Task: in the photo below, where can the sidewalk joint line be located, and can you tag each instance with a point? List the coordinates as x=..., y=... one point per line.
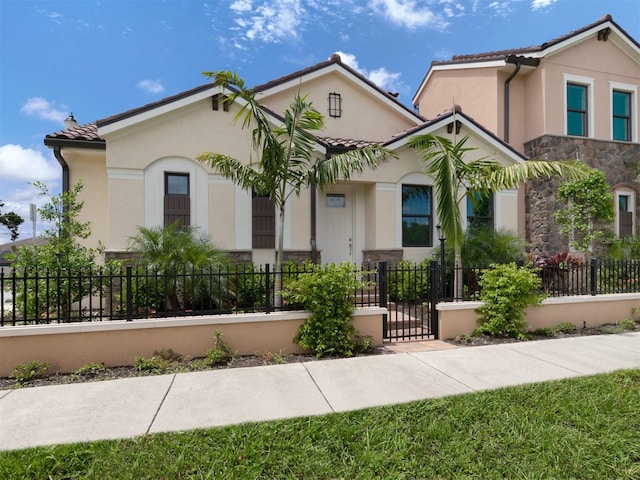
x=555, y=364
x=318, y=387
x=164, y=397
x=441, y=372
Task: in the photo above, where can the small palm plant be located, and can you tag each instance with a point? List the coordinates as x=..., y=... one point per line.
x=182, y=257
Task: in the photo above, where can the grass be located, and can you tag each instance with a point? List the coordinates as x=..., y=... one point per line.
x=586, y=428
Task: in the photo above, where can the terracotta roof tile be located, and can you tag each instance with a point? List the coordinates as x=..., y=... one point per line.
x=348, y=143
x=501, y=54
x=88, y=132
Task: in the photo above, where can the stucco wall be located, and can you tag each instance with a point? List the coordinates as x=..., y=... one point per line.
x=456, y=319
x=364, y=116
x=603, y=62
x=67, y=347
x=475, y=90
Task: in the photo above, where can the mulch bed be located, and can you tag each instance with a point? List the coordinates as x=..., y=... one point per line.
x=181, y=366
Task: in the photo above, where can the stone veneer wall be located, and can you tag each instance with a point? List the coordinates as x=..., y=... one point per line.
x=619, y=161
x=373, y=257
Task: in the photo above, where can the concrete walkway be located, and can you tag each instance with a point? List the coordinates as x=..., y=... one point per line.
x=137, y=406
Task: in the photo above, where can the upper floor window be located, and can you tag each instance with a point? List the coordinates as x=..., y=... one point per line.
x=416, y=216
x=577, y=110
x=621, y=105
x=479, y=210
x=624, y=112
x=335, y=105
x=578, y=106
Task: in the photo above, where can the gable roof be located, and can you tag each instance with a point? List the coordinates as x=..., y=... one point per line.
x=335, y=64
x=449, y=117
x=605, y=28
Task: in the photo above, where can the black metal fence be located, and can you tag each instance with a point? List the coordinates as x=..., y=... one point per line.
x=409, y=291
x=29, y=298
x=597, y=277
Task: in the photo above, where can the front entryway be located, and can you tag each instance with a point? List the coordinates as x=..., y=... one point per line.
x=336, y=225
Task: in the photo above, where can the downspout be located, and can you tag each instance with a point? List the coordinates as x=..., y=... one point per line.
x=506, y=100
x=57, y=152
x=314, y=242
x=518, y=61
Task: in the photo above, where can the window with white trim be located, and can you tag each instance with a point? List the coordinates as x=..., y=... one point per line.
x=416, y=216
x=579, y=112
x=479, y=210
x=624, y=112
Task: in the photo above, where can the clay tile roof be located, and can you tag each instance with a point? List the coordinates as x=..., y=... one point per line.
x=88, y=132
x=501, y=54
x=346, y=143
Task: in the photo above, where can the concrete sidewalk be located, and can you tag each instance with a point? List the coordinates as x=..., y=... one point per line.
x=137, y=406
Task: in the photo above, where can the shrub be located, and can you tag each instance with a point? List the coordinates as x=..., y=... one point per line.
x=220, y=353
x=484, y=246
x=565, y=327
x=409, y=282
x=31, y=371
x=506, y=292
x=325, y=292
x=90, y=370
x=628, y=324
x=151, y=365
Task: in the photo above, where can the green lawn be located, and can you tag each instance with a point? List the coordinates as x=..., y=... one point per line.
x=585, y=428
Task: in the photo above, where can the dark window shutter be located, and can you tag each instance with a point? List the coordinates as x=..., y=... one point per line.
x=177, y=207
x=626, y=223
x=263, y=223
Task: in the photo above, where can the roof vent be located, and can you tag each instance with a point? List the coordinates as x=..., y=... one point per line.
x=70, y=122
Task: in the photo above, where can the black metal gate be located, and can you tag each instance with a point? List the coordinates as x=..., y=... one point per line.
x=410, y=293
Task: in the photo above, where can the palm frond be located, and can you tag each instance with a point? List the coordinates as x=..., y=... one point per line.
x=342, y=166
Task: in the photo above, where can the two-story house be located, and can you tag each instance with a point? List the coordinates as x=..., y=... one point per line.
x=574, y=97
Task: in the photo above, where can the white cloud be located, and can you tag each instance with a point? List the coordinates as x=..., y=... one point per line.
x=381, y=77
x=241, y=6
x=539, y=4
x=270, y=21
x=150, y=86
x=45, y=110
x=407, y=13
x=502, y=8
x=26, y=164
x=350, y=59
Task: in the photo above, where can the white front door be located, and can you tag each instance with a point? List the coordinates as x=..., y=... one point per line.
x=336, y=232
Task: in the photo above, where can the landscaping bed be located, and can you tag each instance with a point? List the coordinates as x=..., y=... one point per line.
x=174, y=364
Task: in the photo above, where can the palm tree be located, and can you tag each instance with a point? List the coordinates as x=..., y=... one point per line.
x=175, y=251
x=453, y=179
x=288, y=161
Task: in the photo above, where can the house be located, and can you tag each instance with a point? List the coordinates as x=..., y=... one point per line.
x=574, y=97
x=139, y=168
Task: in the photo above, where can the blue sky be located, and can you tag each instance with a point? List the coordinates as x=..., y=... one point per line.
x=99, y=58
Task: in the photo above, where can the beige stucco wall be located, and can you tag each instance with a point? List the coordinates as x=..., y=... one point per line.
x=88, y=166
x=603, y=62
x=475, y=90
x=583, y=311
x=67, y=347
x=364, y=117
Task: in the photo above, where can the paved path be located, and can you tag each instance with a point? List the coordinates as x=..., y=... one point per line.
x=136, y=406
